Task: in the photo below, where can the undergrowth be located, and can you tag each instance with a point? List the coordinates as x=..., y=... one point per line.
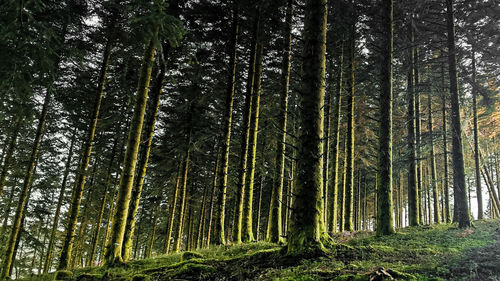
x=440, y=252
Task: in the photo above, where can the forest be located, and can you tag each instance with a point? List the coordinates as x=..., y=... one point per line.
x=249, y=140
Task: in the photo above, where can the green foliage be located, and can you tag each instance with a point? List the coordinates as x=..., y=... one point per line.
x=190, y=255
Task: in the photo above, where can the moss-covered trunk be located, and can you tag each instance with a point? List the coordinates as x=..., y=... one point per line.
x=114, y=247
x=462, y=210
x=349, y=164
x=274, y=222
x=147, y=140
x=175, y=196
x=184, y=195
x=219, y=237
x=247, y=219
x=245, y=135
x=212, y=195
x=333, y=226
x=307, y=229
x=384, y=195
x=65, y=257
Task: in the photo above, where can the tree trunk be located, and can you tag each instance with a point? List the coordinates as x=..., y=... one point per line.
x=184, y=195
x=219, y=237
x=147, y=139
x=384, y=204
x=307, y=229
x=245, y=135
x=274, y=223
x=418, y=130
x=25, y=190
x=462, y=210
x=479, y=193
x=170, y=225
x=434, y=186
x=67, y=247
x=10, y=152
x=212, y=195
x=413, y=202
x=349, y=196
x=336, y=145
x=445, y=151
x=48, y=257
x=114, y=247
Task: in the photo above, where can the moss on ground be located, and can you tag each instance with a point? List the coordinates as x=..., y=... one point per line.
x=442, y=252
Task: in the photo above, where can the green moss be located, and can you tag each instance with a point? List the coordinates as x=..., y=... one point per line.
x=190, y=255
x=194, y=269
x=141, y=277
x=63, y=275
x=89, y=277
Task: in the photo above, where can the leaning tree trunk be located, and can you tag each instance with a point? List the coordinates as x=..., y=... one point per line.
x=307, y=229
x=147, y=139
x=462, y=210
x=67, y=248
x=219, y=237
x=384, y=204
x=25, y=190
x=114, y=247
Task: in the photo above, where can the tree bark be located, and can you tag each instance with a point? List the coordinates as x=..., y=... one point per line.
x=385, y=208
x=307, y=230
x=462, y=210
x=114, y=248
x=219, y=237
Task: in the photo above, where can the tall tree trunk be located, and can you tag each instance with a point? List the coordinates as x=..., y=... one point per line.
x=385, y=210
x=445, y=151
x=67, y=247
x=274, y=223
x=175, y=196
x=307, y=229
x=418, y=130
x=9, y=152
x=107, y=184
x=55, y=223
x=147, y=139
x=245, y=135
x=114, y=247
x=434, y=185
x=462, y=210
x=349, y=196
x=212, y=195
x=219, y=237
x=336, y=144
x=25, y=190
x=413, y=202
x=247, y=220
x=184, y=195
x=479, y=193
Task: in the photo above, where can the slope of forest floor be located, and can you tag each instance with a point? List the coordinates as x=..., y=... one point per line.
x=441, y=252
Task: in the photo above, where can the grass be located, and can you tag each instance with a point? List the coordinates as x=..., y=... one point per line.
x=441, y=252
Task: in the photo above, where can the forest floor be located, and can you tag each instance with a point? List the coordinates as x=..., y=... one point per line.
x=442, y=252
